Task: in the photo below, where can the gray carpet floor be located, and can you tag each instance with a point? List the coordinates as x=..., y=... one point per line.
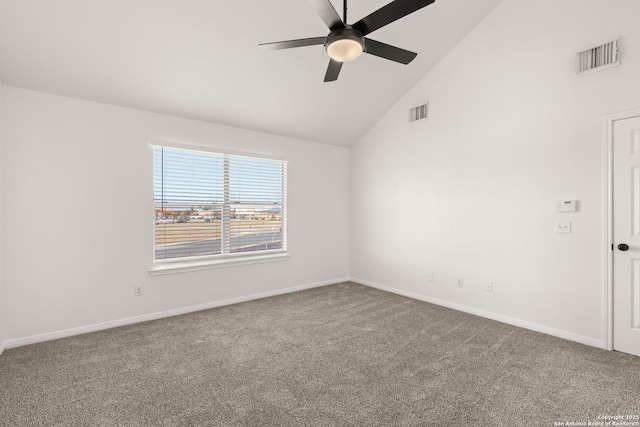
x=340, y=355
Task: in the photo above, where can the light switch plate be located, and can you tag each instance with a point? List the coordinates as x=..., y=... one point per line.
x=563, y=227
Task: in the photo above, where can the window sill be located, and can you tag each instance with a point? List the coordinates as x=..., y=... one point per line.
x=160, y=269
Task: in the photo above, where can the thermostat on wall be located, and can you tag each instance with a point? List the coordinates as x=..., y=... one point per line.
x=567, y=205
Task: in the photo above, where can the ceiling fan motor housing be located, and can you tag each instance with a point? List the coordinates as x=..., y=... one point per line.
x=344, y=44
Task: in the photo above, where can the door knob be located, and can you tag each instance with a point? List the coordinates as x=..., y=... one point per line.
x=623, y=247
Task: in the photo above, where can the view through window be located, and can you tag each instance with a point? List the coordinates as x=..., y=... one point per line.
x=216, y=205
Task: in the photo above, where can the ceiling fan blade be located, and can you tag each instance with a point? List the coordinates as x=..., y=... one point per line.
x=389, y=13
x=333, y=71
x=288, y=44
x=327, y=12
x=387, y=51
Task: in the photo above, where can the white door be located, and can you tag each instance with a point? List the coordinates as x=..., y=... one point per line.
x=626, y=235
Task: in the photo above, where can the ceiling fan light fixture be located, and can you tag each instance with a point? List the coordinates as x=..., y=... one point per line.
x=344, y=45
x=344, y=50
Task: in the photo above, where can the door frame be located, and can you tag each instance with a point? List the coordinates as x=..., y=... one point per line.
x=609, y=121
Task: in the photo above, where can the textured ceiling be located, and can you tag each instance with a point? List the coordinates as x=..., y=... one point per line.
x=200, y=59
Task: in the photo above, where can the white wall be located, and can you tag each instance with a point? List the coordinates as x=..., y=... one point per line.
x=471, y=193
x=78, y=211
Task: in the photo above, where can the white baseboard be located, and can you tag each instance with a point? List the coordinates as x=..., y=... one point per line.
x=2, y=347
x=158, y=315
x=489, y=315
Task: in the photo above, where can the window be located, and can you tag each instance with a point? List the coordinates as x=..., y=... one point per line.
x=215, y=207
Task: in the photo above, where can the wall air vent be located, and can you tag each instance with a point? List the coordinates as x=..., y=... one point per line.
x=421, y=112
x=598, y=57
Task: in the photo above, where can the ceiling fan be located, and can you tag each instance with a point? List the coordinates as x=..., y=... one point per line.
x=346, y=42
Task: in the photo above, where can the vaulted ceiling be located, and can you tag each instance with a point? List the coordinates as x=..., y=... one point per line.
x=200, y=59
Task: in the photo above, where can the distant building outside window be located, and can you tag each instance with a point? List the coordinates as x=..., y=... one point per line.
x=217, y=206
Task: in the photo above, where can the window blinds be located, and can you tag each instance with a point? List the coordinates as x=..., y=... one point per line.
x=216, y=205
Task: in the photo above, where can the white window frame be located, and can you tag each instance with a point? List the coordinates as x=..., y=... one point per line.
x=176, y=265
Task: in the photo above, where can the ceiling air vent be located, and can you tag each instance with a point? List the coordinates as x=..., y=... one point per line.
x=598, y=57
x=421, y=112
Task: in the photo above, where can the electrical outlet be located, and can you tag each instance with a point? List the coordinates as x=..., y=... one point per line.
x=138, y=291
x=430, y=277
x=460, y=282
x=489, y=287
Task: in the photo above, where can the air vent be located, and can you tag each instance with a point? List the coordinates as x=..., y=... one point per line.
x=598, y=57
x=421, y=112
